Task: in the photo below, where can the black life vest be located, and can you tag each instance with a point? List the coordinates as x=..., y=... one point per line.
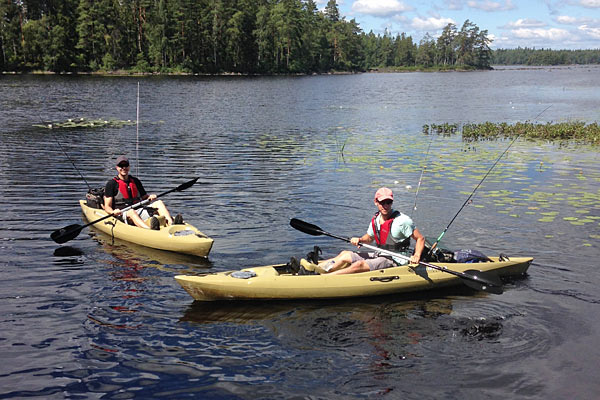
x=383, y=238
x=127, y=194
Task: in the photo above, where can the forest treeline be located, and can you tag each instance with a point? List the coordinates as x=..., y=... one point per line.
x=215, y=36
x=220, y=36
x=528, y=56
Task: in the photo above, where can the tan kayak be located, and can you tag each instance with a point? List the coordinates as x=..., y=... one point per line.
x=275, y=282
x=183, y=238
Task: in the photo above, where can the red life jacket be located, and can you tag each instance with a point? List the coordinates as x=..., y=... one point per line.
x=383, y=237
x=128, y=193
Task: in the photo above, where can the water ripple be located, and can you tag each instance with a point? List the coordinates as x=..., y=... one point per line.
x=100, y=318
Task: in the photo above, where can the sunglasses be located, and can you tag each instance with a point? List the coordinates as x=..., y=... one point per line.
x=385, y=202
x=123, y=165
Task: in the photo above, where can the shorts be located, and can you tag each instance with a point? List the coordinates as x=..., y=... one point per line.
x=373, y=261
x=142, y=212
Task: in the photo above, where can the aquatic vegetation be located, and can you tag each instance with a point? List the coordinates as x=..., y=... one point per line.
x=84, y=123
x=543, y=186
x=576, y=131
x=444, y=129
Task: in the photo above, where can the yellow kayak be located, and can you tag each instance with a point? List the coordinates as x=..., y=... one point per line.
x=276, y=282
x=183, y=238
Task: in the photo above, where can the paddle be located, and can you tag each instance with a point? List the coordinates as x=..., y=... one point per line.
x=70, y=232
x=478, y=280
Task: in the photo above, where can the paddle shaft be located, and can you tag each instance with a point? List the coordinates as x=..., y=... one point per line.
x=133, y=206
x=70, y=232
x=475, y=279
x=399, y=255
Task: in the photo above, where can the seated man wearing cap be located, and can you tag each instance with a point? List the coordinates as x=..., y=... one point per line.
x=390, y=229
x=125, y=190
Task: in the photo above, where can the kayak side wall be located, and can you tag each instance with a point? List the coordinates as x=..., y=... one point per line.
x=197, y=244
x=269, y=285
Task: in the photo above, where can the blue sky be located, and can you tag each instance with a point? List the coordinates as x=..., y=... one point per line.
x=555, y=24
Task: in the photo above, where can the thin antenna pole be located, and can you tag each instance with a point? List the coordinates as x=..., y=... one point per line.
x=137, y=133
x=422, y=172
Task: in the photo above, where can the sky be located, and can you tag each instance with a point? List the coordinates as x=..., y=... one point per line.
x=548, y=24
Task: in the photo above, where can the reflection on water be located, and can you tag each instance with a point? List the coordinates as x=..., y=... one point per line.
x=67, y=251
x=98, y=317
x=163, y=260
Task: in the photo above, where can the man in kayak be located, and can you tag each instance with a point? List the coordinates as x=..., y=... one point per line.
x=124, y=190
x=390, y=229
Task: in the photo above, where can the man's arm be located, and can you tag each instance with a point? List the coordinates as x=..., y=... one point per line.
x=419, y=246
x=109, y=193
x=366, y=238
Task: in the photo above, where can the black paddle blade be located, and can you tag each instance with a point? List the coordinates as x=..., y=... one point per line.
x=67, y=233
x=484, y=281
x=186, y=185
x=306, y=227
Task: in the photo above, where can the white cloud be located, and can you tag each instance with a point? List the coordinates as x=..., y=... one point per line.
x=552, y=34
x=380, y=8
x=502, y=42
x=431, y=23
x=590, y=3
x=567, y=20
x=454, y=4
x=489, y=5
x=593, y=32
x=524, y=23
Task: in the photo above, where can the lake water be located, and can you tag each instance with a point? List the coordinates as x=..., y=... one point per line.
x=96, y=318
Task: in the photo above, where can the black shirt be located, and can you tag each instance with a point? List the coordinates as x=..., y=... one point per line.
x=112, y=188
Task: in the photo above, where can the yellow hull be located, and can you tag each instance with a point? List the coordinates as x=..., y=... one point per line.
x=270, y=284
x=184, y=238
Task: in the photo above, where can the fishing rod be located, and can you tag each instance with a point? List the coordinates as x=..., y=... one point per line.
x=69, y=158
x=479, y=184
x=422, y=173
x=478, y=280
x=137, y=133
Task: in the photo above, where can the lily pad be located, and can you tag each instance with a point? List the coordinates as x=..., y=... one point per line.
x=84, y=123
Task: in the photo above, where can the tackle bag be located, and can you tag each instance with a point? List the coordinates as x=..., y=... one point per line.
x=94, y=198
x=470, y=256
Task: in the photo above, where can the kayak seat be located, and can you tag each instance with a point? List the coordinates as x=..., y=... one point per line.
x=308, y=268
x=313, y=256
x=178, y=220
x=154, y=224
x=161, y=220
x=293, y=265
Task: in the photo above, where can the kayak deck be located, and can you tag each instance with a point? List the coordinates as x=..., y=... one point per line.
x=183, y=238
x=274, y=282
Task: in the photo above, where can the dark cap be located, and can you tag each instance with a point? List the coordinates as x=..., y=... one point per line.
x=121, y=159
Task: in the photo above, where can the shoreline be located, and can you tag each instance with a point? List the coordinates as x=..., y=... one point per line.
x=384, y=70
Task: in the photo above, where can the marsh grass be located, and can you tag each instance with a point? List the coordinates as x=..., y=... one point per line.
x=575, y=131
